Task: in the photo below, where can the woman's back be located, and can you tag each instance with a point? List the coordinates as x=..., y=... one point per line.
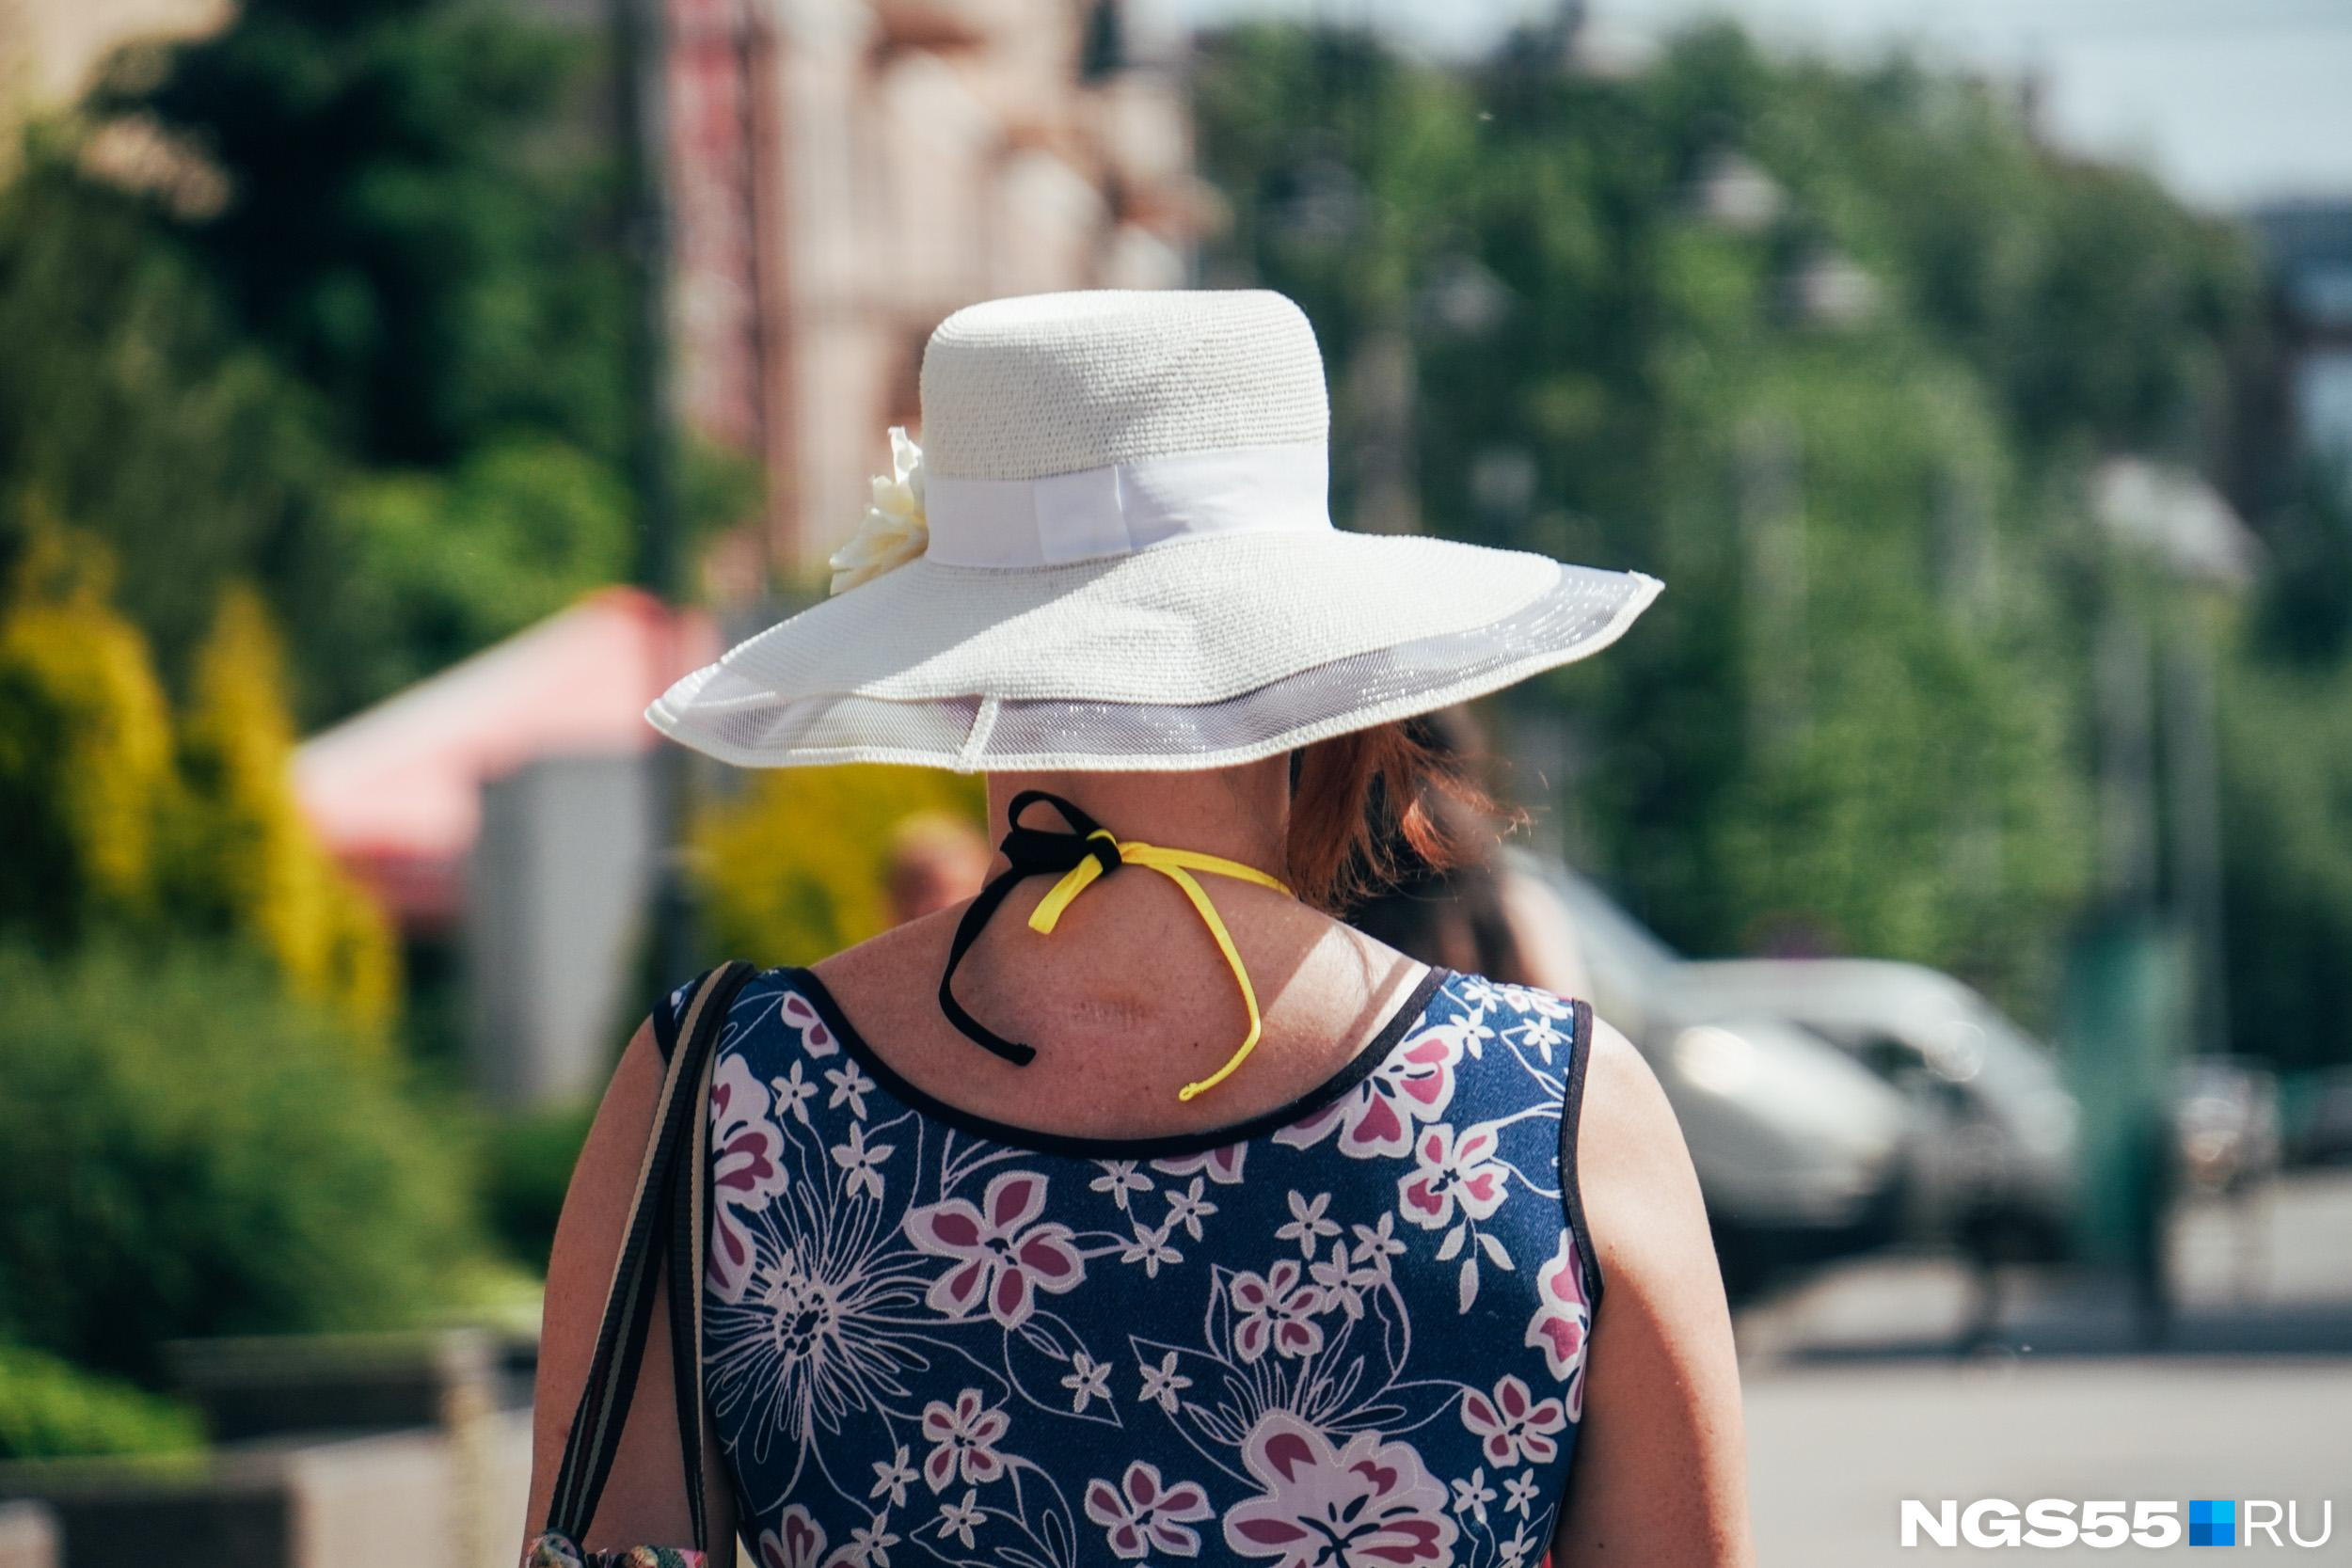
x=1349, y=1328
x=1156, y=1214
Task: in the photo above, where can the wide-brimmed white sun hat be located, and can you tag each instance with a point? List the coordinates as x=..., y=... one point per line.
x=1114, y=553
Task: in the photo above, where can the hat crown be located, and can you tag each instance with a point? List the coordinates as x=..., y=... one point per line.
x=1043, y=385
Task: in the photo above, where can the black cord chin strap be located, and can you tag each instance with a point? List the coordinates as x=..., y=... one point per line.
x=1034, y=852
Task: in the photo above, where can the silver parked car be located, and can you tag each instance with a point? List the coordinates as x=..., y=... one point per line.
x=1801, y=1155
x=1998, y=1160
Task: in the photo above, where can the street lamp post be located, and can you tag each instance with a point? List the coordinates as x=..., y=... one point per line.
x=640, y=65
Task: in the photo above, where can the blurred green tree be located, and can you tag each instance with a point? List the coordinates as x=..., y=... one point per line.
x=1829, y=350
x=191, y=1153
x=411, y=219
x=313, y=300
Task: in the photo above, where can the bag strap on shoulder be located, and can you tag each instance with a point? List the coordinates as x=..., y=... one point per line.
x=666, y=1222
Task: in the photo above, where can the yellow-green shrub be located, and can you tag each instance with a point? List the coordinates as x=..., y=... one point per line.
x=113, y=816
x=86, y=745
x=51, y=1409
x=793, y=867
x=246, y=863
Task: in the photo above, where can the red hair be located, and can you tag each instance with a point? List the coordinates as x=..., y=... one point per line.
x=1358, y=800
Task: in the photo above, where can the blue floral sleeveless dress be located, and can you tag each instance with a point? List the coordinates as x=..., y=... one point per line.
x=1347, y=1334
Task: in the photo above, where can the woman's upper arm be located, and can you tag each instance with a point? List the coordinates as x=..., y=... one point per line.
x=1661, y=1472
x=645, y=1501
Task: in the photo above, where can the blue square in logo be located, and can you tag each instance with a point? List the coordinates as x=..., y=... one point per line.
x=2212, y=1522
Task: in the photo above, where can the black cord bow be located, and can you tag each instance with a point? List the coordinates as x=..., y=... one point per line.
x=1034, y=852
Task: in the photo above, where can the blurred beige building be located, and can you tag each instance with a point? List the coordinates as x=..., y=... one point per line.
x=849, y=172
x=50, y=48
x=846, y=172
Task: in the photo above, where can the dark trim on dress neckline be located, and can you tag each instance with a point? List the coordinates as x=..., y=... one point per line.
x=1366, y=1061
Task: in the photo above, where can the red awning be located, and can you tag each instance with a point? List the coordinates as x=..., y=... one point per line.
x=395, y=790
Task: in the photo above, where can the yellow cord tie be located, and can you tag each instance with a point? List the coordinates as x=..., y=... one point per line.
x=1177, y=866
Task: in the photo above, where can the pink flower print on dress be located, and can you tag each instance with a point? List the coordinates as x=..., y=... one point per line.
x=1517, y=1427
x=1277, y=1308
x=1368, y=1503
x=1377, y=1117
x=746, y=1170
x=1141, y=1512
x=1452, y=1168
x=816, y=1039
x=1001, y=1259
x=1563, y=1320
x=1220, y=1165
x=963, y=1441
x=797, y=1541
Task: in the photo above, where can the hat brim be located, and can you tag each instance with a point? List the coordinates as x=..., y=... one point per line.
x=1203, y=654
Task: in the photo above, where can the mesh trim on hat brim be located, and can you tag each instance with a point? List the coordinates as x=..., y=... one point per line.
x=1195, y=620
x=1585, y=610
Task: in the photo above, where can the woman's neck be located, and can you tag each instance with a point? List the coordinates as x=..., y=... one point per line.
x=1240, y=812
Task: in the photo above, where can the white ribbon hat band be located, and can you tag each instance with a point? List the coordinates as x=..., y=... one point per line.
x=1127, y=507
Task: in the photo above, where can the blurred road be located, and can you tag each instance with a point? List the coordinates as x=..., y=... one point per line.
x=1857, y=1400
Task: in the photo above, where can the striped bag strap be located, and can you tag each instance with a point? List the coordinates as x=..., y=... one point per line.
x=665, y=1223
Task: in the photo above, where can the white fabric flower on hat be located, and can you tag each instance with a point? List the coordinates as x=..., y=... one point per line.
x=894, y=529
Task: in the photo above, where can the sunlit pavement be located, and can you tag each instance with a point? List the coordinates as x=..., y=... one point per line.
x=1856, y=1400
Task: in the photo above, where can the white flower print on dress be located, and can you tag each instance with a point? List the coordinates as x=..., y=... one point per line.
x=959, y=1519
x=850, y=1087
x=746, y=1171
x=1452, y=1168
x=1472, y=1495
x=1376, y=1243
x=1001, y=1259
x=1516, y=1426
x=1342, y=1284
x=1527, y=999
x=793, y=1092
x=870, y=1545
x=1141, y=1512
x=1149, y=1249
x=1119, y=1178
x=1274, y=1309
x=963, y=1441
x=1376, y=1118
x=1187, y=1208
x=891, y=1477
x=802, y=1346
x=1163, y=1384
x=797, y=1541
x=1539, y=1035
x=1307, y=1225
x=1518, y=1493
x=1320, y=1505
x=1087, y=1380
x=861, y=1163
x=1480, y=993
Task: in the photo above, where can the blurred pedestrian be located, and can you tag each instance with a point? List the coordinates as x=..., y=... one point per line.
x=1139, y=1208
x=936, y=860
x=1478, y=912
